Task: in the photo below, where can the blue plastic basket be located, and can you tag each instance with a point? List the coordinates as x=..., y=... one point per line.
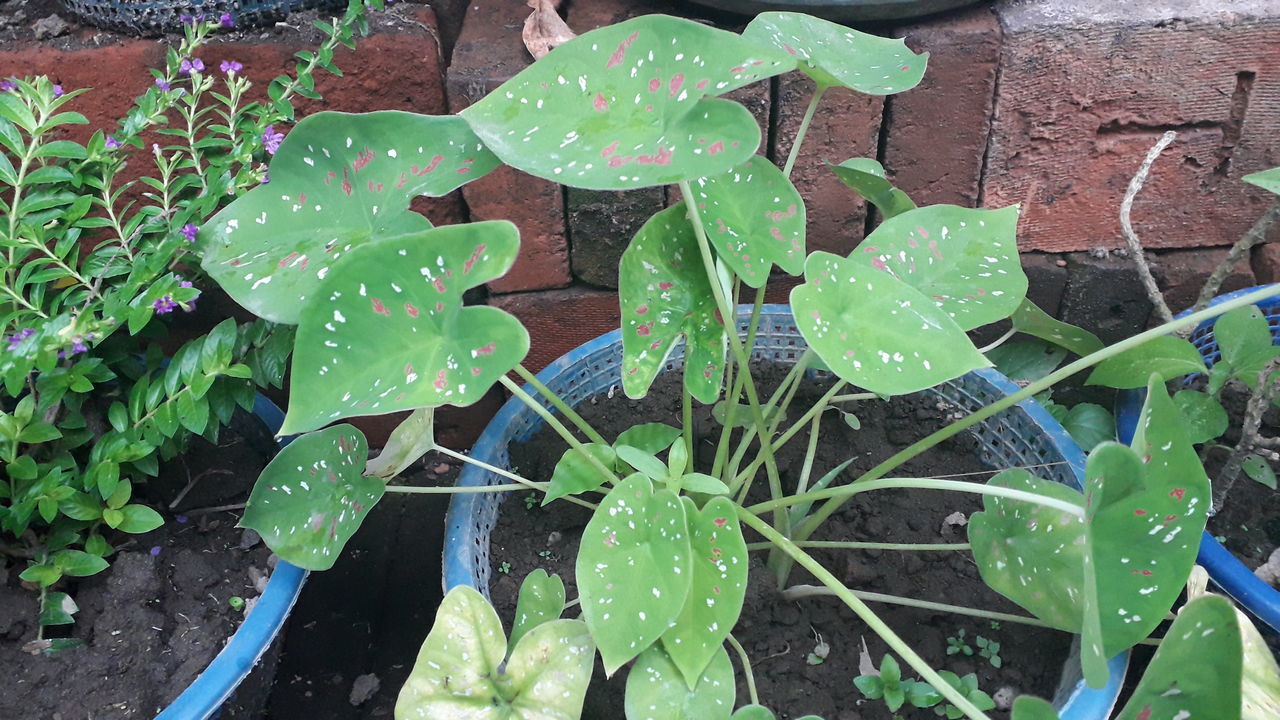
x=153, y=17
x=1227, y=572
x=211, y=688
x=1025, y=435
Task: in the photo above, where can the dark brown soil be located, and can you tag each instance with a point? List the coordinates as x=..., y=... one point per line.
x=1249, y=519
x=779, y=635
x=154, y=619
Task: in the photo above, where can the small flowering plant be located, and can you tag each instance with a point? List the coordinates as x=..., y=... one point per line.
x=93, y=269
x=377, y=293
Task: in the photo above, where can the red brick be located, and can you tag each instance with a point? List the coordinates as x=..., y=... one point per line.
x=560, y=320
x=1086, y=88
x=489, y=51
x=1266, y=263
x=936, y=133
x=1180, y=274
x=846, y=125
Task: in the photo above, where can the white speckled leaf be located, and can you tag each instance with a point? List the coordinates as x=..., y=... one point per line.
x=664, y=293
x=633, y=568
x=388, y=330
x=1196, y=671
x=1032, y=554
x=717, y=591
x=629, y=105
x=877, y=332
x=337, y=181
x=754, y=218
x=541, y=600
x=1030, y=319
x=832, y=54
x=312, y=497
x=866, y=177
x=457, y=674
x=1267, y=179
x=966, y=260
x=657, y=691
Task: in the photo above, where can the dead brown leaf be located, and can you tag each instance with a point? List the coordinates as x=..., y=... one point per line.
x=544, y=29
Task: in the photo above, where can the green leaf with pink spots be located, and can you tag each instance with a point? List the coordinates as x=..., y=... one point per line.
x=754, y=218
x=716, y=592
x=1196, y=671
x=633, y=568
x=312, y=497
x=834, y=55
x=630, y=105
x=664, y=293
x=876, y=331
x=387, y=331
x=656, y=690
x=965, y=260
x=460, y=671
x=1032, y=554
x=866, y=177
x=337, y=181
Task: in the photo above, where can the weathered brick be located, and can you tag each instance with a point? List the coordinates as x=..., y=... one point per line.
x=1046, y=280
x=489, y=51
x=1104, y=296
x=1087, y=87
x=560, y=320
x=1180, y=274
x=1266, y=263
x=936, y=133
x=846, y=124
x=601, y=225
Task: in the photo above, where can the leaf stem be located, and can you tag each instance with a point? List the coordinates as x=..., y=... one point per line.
x=556, y=425
x=803, y=129
x=846, y=491
x=843, y=545
x=560, y=405
x=521, y=481
x=459, y=489
x=796, y=592
x=747, y=674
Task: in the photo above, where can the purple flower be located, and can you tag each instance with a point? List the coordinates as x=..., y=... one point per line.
x=184, y=283
x=271, y=139
x=16, y=339
x=227, y=21
x=189, y=66
x=162, y=84
x=78, y=346
x=231, y=66
x=112, y=143
x=8, y=84
x=186, y=19
x=181, y=518
x=155, y=551
x=57, y=91
x=265, y=178
x=189, y=232
x=164, y=305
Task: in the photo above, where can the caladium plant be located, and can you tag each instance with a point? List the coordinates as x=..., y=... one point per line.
x=662, y=567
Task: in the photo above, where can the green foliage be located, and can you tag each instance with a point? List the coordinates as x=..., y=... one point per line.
x=895, y=690
x=657, y=691
x=1169, y=357
x=834, y=55
x=866, y=177
x=541, y=600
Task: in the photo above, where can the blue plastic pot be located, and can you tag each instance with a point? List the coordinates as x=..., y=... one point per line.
x=1227, y=572
x=1025, y=435
x=206, y=694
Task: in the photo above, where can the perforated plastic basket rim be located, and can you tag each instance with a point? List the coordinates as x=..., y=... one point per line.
x=1074, y=700
x=1225, y=569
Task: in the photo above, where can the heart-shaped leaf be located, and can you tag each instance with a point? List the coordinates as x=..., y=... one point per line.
x=1244, y=337
x=1167, y=356
x=1259, y=470
x=657, y=691
x=877, y=332
x=1203, y=417
x=1029, y=707
x=652, y=438
x=388, y=330
x=1030, y=319
x=645, y=463
x=312, y=497
x=337, y=181
x=866, y=177
x=1032, y=554
x=629, y=105
x=717, y=591
x=1145, y=511
x=1196, y=671
x=833, y=54
x=731, y=207
x=575, y=473
x=411, y=439
x=1090, y=425
x=753, y=712
x=633, y=568
x=541, y=600
x=966, y=260
x=664, y=293
x=1267, y=180
x=460, y=673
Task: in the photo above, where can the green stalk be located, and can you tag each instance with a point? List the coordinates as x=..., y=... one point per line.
x=731, y=401
x=731, y=326
x=782, y=395
x=844, y=492
x=842, y=545
x=785, y=437
x=804, y=128
x=746, y=668
x=460, y=489
x=556, y=425
x=809, y=454
x=560, y=405
x=868, y=616
x=802, y=591
x=528, y=484
x=686, y=415
x=1032, y=390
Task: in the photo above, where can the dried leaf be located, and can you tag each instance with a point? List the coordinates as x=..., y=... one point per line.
x=544, y=29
